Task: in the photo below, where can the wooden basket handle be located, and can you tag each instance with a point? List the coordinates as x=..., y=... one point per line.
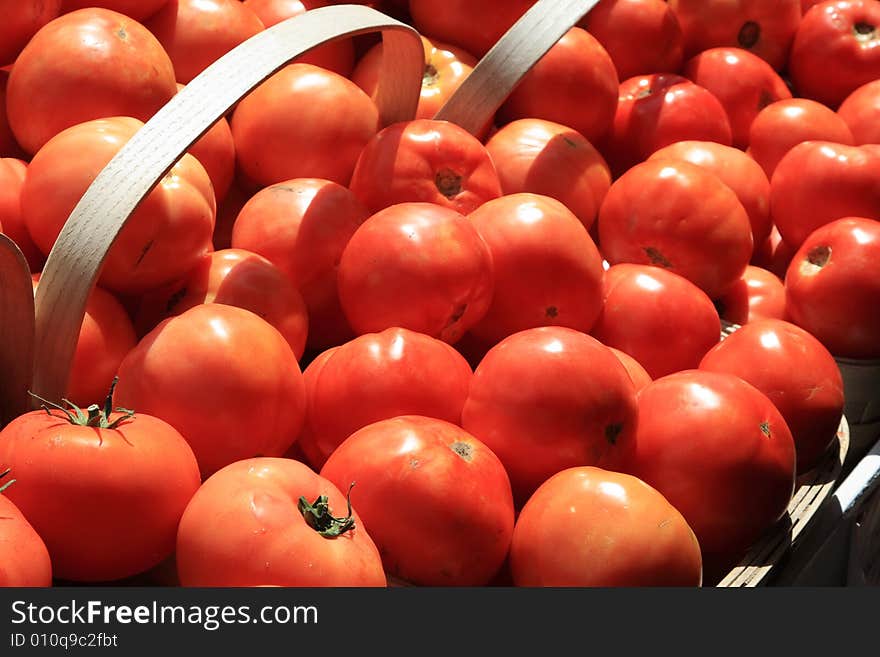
x=75, y=261
x=16, y=330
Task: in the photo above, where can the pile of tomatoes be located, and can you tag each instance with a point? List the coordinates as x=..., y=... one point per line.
x=327, y=352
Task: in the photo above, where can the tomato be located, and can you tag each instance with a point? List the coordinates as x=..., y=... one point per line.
x=759, y=294
x=12, y=174
x=764, y=28
x=9, y=148
x=523, y=406
x=21, y=20
x=786, y=123
x=656, y=316
x=677, y=215
x=302, y=227
x=88, y=64
x=832, y=287
x=637, y=373
x=104, y=489
x=442, y=289
x=136, y=9
x=817, y=182
x=379, y=376
x=797, y=373
x=860, y=110
x=222, y=376
x=586, y=526
x=736, y=170
x=721, y=453
x=425, y=161
x=23, y=553
x=234, y=277
x=774, y=254
x=657, y=110
x=641, y=36
x=304, y=121
x=542, y=157
x=452, y=518
x=164, y=238
x=743, y=82
x=842, y=36
x=258, y=522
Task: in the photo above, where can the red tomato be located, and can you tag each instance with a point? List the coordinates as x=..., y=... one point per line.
x=659, y=318
x=786, y=123
x=259, y=522
x=379, y=376
x=419, y=266
x=797, y=373
x=641, y=36
x=839, y=36
x=833, y=284
x=227, y=210
x=164, y=238
x=587, y=526
x=12, y=174
x=774, y=254
x=425, y=161
x=759, y=294
x=93, y=63
x=761, y=27
x=679, y=216
x=547, y=270
x=718, y=449
x=8, y=146
x=452, y=490
x=21, y=20
x=637, y=373
x=817, y=182
x=136, y=9
x=126, y=481
x=215, y=150
x=222, y=376
x=23, y=553
x=542, y=157
x=522, y=404
x=743, y=82
x=860, y=110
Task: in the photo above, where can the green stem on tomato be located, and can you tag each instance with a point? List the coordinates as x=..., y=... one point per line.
x=93, y=416
x=318, y=516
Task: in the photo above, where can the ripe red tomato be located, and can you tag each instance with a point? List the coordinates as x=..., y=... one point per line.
x=88, y=64
x=12, y=174
x=136, y=9
x=9, y=148
x=23, y=553
x=587, y=526
x=774, y=254
x=721, y=453
x=797, y=373
x=450, y=488
x=759, y=294
x=126, y=481
x=522, y=404
x=679, y=216
x=656, y=316
x=259, y=522
x=637, y=373
x=832, y=286
x=21, y=20
x=860, y=111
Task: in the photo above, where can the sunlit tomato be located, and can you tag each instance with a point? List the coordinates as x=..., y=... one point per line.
x=659, y=318
x=126, y=481
x=759, y=294
x=21, y=20
x=786, y=123
x=419, y=266
x=259, y=522
x=93, y=63
x=736, y=170
x=743, y=82
x=861, y=111
x=833, y=284
x=379, y=376
x=759, y=26
x=303, y=122
x=587, y=526
x=452, y=490
x=522, y=403
x=425, y=161
x=164, y=238
x=542, y=157
x=641, y=36
x=718, y=449
x=679, y=216
x=136, y=9
x=774, y=254
x=817, y=182
x=23, y=554
x=222, y=376
x=12, y=173
x=843, y=36
x=637, y=373
x=797, y=373
x=657, y=110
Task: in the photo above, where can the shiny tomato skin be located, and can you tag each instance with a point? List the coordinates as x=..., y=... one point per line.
x=860, y=111
x=452, y=519
x=23, y=554
x=797, y=373
x=759, y=294
x=136, y=9
x=832, y=286
x=21, y=20
x=523, y=406
x=243, y=528
x=656, y=316
x=637, y=373
x=586, y=526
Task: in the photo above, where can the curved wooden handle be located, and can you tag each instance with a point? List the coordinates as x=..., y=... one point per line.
x=75, y=261
x=16, y=330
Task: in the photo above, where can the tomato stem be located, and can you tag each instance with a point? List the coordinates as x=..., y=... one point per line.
x=8, y=483
x=94, y=415
x=318, y=516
